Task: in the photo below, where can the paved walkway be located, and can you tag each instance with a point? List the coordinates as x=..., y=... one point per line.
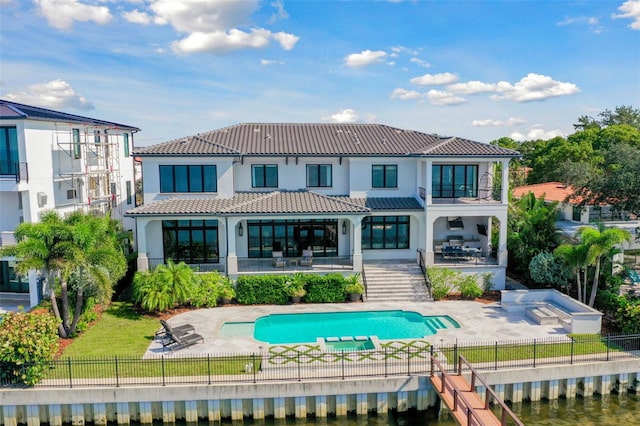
x=478, y=323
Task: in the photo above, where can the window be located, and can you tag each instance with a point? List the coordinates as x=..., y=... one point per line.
x=385, y=232
x=71, y=194
x=454, y=181
x=264, y=176
x=191, y=241
x=188, y=179
x=76, y=143
x=126, y=144
x=96, y=136
x=319, y=175
x=8, y=151
x=384, y=176
x=292, y=237
x=129, y=195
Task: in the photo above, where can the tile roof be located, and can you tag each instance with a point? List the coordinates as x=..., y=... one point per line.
x=14, y=110
x=249, y=203
x=321, y=139
x=275, y=202
x=552, y=191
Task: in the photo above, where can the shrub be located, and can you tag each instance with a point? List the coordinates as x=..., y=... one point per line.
x=440, y=279
x=206, y=289
x=468, y=286
x=29, y=342
x=295, y=285
x=547, y=269
x=165, y=287
x=325, y=289
x=353, y=284
x=261, y=289
x=628, y=317
x=487, y=281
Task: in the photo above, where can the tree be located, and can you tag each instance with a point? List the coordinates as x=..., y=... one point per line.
x=599, y=243
x=575, y=257
x=545, y=268
x=78, y=254
x=531, y=230
x=165, y=287
x=621, y=115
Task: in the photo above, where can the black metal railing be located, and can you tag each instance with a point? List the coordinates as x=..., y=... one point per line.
x=17, y=171
x=219, y=266
x=423, y=267
x=285, y=363
x=292, y=264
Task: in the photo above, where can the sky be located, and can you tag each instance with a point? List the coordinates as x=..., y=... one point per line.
x=481, y=70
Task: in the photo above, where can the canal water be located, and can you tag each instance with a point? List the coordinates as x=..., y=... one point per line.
x=619, y=410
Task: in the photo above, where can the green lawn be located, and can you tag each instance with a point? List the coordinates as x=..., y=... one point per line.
x=120, y=331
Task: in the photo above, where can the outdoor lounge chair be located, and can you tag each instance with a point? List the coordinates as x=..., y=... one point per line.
x=278, y=259
x=178, y=341
x=179, y=330
x=307, y=258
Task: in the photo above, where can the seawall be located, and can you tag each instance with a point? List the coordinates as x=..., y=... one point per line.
x=144, y=404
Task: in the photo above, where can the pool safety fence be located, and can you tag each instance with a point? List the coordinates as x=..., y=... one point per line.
x=394, y=359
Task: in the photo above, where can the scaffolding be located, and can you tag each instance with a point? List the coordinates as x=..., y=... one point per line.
x=87, y=163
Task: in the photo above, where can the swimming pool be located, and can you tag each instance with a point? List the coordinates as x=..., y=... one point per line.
x=386, y=325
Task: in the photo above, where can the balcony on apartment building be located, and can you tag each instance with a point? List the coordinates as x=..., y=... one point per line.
x=14, y=171
x=462, y=196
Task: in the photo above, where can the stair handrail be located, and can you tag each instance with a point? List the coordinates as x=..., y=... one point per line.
x=423, y=268
x=506, y=411
x=363, y=275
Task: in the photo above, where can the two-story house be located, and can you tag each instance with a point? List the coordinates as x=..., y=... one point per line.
x=51, y=160
x=345, y=193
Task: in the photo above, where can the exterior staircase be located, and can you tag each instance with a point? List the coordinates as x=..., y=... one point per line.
x=395, y=281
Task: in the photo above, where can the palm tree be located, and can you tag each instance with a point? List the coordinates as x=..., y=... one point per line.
x=167, y=286
x=76, y=250
x=599, y=243
x=575, y=256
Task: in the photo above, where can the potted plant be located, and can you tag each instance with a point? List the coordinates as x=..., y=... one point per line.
x=225, y=290
x=354, y=287
x=295, y=287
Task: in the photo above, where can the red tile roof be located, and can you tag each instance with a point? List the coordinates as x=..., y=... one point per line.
x=552, y=191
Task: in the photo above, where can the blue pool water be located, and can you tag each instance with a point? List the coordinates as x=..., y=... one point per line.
x=387, y=325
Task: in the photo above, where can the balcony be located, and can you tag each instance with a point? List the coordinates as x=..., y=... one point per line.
x=483, y=197
x=17, y=171
x=7, y=238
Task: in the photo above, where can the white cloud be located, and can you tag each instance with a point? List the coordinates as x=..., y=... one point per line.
x=420, y=62
x=222, y=42
x=535, y=133
x=498, y=123
x=630, y=9
x=343, y=116
x=442, y=97
x=287, y=41
x=270, y=62
x=364, y=58
x=405, y=95
x=434, y=79
x=55, y=94
x=592, y=22
x=61, y=13
x=280, y=13
x=534, y=87
x=471, y=87
x=137, y=17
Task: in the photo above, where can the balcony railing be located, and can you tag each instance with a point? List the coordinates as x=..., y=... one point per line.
x=293, y=264
x=154, y=262
x=17, y=171
x=7, y=238
x=448, y=197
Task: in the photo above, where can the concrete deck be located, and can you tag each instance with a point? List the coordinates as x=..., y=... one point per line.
x=478, y=323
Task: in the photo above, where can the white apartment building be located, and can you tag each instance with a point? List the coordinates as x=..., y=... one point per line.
x=349, y=193
x=51, y=160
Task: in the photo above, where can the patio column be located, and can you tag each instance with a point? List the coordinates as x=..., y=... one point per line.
x=429, y=255
x=505, y=182
x=141, y=243
x=357, y=244
x=428, y=185
x=232, y=257
x=502, y=240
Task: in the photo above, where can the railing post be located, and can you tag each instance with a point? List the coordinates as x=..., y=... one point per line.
x=495, y=357
x=342, y=363
x=408, y=361
x=117, y=373
x=386, y=371
x=572, y=344
x=608, y=346
x=70, y=375
x=455, y=356
x=253, y=369
x=534, y=353
x=209, y=368
x=431, y=360
x=162, y=362
x=300, y=367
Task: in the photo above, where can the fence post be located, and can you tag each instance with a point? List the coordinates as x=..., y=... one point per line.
x=432, y=366
x=608, y=346
x=299, y=367
x=572, y=343
x=386, y=372
x=69, y=369
x=534, y=353
x=455, y=356
x=163, y=381
x=342, y=363
x=117, y=375
x=408, y=361
x=253, y=369
x=495, y=356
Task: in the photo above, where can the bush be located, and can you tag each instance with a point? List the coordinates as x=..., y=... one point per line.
x=325, y=289
x=468, y=286
x=165, y=287
x=29, y=342
x=440, y=279
x=628, y=317
x=353, y=284
x=205, y=290
x=261, y=289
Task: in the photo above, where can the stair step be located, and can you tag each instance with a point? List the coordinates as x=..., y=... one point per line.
x=395, y=281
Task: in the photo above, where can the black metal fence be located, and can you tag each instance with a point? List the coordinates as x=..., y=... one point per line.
x=295, y=363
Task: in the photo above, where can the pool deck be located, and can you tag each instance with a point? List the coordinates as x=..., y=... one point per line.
x=478, y=323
